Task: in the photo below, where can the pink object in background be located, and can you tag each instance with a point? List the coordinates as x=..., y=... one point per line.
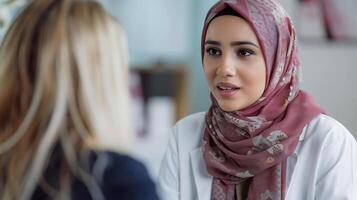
x=341, y=18
x=311, y=25
x=137, y=101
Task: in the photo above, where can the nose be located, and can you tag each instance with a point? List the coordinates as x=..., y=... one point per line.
x=227, y=67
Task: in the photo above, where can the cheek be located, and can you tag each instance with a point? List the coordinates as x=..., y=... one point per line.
x=210, y=75
x=255, y=77
x=209, y=69
x=262, y=75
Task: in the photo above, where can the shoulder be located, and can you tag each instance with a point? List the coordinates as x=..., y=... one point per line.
x=191, y=123
x=193, y=120
x=328, y=150
x=127, y=178
x=327, y=130
x=188, y=131
x=328, y=142
x=123, y=163
x=123, y=167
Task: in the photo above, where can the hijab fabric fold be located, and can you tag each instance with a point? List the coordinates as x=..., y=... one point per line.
x=254, y=143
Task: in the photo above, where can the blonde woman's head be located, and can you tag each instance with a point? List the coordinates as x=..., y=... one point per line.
x=63, y=82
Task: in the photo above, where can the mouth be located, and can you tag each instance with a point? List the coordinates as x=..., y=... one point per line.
x=227, y=89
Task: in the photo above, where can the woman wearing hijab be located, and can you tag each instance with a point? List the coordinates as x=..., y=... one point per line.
x=64, y=129
x=263, y=138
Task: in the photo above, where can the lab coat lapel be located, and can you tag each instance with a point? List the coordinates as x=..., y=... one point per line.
x=203, y=180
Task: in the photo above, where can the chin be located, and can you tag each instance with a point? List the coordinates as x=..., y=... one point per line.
x=228, y=108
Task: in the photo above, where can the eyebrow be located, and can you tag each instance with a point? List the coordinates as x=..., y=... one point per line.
x=236, y=43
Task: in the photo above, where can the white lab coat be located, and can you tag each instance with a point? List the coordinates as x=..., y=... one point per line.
x=323, y=166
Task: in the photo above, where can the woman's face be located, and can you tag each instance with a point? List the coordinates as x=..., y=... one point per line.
x=233, y=63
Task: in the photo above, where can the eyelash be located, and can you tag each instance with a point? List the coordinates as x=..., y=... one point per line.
x=243, y=51
x=216, y=50
x=240, y=52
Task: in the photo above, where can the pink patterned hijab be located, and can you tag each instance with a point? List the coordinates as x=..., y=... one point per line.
x=254, y=143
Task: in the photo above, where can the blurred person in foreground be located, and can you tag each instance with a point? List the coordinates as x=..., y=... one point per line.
x=64, y=128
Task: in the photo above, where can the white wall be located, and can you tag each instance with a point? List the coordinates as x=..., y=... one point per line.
x=330, y=74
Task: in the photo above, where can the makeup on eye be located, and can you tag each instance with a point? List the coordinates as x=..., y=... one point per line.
x=213, y=51
x=244, y=52
x=240, y=52
x=244, y=48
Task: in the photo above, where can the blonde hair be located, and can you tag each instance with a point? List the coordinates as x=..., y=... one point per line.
x=63, y=82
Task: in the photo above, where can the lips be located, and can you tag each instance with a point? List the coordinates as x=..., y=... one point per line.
x=226, y=86
x=227, y=89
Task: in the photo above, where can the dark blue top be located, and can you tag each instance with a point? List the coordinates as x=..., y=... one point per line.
x=118, y=176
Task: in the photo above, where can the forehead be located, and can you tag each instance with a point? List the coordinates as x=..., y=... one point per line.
x=230, y=27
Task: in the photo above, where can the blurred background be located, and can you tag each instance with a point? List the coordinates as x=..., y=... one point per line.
x=167, y=82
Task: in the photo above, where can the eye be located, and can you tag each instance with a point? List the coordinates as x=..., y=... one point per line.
x=213, y=51
x=245, y=52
